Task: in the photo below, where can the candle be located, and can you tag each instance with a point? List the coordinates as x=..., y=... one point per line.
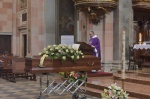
x=123, y=55
x=140, y=37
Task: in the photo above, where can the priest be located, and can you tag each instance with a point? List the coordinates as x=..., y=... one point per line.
x=95, y=43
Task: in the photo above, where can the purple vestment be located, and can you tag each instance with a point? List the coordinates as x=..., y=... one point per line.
x=94, y=41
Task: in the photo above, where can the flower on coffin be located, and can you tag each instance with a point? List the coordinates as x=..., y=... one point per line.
x=62, y=52
x=73, y=76
x=114, y=92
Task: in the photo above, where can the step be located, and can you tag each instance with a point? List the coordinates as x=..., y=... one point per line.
x=96, y=90
x=144, y=74
x=99, y=74
x=133, y=78
x=92, y=91
x=134, y=90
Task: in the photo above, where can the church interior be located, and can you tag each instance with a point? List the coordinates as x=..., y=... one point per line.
x=74, y=49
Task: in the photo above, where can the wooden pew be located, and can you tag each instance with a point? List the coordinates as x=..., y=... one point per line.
x=7, y=67
x=18, y=69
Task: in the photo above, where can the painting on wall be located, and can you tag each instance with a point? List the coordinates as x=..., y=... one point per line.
x=66, y=17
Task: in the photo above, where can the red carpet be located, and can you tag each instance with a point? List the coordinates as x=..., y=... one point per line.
x=99, y=74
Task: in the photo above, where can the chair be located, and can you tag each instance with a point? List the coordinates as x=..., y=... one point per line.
x=132, y=61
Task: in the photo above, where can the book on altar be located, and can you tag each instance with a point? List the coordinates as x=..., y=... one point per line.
x=76, y=46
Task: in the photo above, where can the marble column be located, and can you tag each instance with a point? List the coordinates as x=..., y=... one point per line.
x=123, y=21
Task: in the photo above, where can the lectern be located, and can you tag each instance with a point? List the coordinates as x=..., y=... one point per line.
x=85, y=48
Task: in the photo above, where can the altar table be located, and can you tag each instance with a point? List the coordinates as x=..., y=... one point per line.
x=142, y=51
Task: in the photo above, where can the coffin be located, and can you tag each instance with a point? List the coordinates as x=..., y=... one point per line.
x=88, y=63
x=56, y=65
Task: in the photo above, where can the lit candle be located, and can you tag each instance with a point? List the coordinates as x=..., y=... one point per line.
x=123, y=55
x=140, y=37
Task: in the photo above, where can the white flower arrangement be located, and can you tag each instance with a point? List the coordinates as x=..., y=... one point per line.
x=114, y=92
x=60, y=52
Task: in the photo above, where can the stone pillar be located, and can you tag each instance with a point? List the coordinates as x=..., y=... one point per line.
x=123, y=21
x=38, y=34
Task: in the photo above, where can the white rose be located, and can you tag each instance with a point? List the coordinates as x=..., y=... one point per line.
x=59, y=51
x=64, y=57
x=67, y=50
x=63, y=47
x=40, y=54
x=71, y=51
x=56, y=48
x=54, y=45
x=48, y=46
x=78, y=57
x=46, y=52
x=52, y=53
x=72, y=57
x=51, y=49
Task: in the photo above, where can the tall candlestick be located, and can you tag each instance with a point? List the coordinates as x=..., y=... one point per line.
x=123, y=55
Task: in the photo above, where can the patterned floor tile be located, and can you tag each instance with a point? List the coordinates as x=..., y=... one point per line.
x=26, y=89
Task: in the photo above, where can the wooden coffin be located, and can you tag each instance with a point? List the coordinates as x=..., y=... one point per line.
x=56, y=65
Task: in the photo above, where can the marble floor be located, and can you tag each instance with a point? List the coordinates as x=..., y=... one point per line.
x=26, y=89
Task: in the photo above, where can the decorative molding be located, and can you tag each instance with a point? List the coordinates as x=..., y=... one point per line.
x=141, y=4
x=96, y=9
x=94, y=3
x=6, y=33
x=20, y=16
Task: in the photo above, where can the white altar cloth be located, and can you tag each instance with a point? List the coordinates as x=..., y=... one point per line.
x=141, y=46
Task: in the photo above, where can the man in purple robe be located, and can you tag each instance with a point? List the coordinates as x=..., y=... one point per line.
x=95, y=43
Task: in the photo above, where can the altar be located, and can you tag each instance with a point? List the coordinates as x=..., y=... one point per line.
x=142, y=51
